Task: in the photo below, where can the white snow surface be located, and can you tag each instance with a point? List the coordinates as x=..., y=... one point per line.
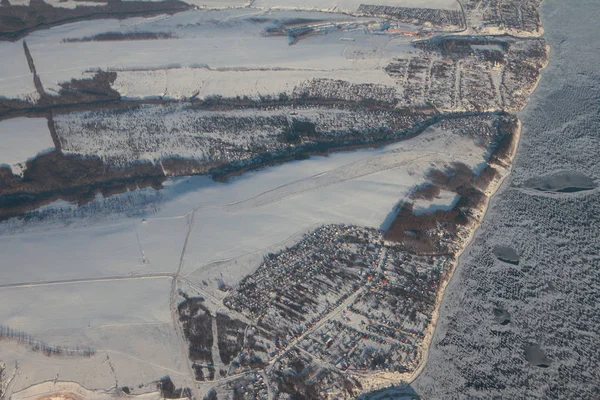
x=72, y=3
x=99, y=251
x=124, y=302
x=22, y=139
x=229, y=42
x=16, y=81
x=231, y=47
x=128, y=323
x=444, y=201
x=177, y=83
x=50, y=388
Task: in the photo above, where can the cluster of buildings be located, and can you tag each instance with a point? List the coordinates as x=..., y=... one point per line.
x=438, y=18
x=453, y=85
x=291, y=290
x=251, y=387
x=512, y=15
x=467, y=74
x=448, y=84
x=521, y=73
x=344, y=297
x=382, y=329
x=299, y=375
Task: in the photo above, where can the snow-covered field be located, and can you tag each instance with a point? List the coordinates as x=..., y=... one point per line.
x=223, y=52
x=127, y=323
x=177, y=83
x=16, y=81
x=219, y=49
x=122, y=249
x=109, y=303
x=73, y=390
x=444, y=201
x=22, y=139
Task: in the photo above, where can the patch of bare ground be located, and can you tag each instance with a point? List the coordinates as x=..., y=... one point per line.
x=16, y=21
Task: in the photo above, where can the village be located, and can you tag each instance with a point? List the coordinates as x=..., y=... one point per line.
x=340, y=303
x=438, y=18
x=345, y=298
x=515, y=16
x=457, y=73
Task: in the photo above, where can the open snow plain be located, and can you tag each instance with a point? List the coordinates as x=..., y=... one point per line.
x=210, y=53
x=15, y=77
x=22, y=139
x=127, y=321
